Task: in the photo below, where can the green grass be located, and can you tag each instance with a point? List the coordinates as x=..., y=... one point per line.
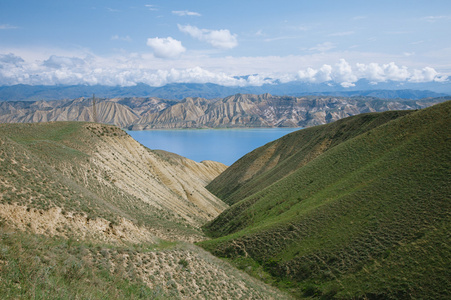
x=343, y=223
x=281, y=157
x=39, y=267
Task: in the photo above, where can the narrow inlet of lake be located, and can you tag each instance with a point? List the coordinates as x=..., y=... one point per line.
x=222, y=145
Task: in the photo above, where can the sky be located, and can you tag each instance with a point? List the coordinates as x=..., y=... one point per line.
x=232, y=43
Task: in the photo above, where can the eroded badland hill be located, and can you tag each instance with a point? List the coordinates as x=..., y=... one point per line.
x=240, y=110
x=88, y=212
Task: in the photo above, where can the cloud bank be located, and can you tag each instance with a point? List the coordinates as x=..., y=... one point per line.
x=133, y=69
x=344, y=74
x=221, y=39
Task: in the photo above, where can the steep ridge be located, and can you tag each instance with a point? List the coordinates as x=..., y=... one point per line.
x=180, y=115
x=240, y=110
x=107, y=167
x=277, y=159
x=367, y=218
x=87, y=212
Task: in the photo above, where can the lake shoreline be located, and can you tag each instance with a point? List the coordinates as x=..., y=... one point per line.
x=225, y=145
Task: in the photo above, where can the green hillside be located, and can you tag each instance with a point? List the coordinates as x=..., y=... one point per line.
x=270, y=163
x=360, y=211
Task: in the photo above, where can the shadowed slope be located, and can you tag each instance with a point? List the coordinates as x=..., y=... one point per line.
x=275, y=160
x=366, y=218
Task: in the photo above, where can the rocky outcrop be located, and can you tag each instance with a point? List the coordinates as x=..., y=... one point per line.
x=240, y=110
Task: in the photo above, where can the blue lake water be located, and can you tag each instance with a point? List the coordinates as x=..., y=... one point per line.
x=223, y=145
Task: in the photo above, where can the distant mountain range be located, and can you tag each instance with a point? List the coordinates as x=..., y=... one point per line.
x=386, y=90
x=240, y=110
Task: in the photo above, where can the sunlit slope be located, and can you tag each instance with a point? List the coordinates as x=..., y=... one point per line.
x=79, y=172
x=275, y=160
x=86, y=212
x=369, y=217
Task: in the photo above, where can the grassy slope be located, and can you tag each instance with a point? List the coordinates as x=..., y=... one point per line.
x=367, y=218
x=39, y=267
x=275, y=160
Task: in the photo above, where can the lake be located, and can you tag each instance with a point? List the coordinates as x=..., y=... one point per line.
x=223, y=145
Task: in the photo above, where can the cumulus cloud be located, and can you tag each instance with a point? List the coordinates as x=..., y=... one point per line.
x=323, y=74
x=10, y=59
x=130, y=69
x=424, y=75
x=183, y=13
x=165, y=47
x=221, y=39
x=58, y=62
x=346, y=75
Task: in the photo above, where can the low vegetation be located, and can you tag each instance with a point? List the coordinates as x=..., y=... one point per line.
x=86, y=212
x=34, y=266
x=355, y=209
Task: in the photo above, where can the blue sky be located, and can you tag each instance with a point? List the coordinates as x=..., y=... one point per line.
x=158, y=42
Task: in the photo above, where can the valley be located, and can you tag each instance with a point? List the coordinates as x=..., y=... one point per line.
x=221, y=150
x=355, y=208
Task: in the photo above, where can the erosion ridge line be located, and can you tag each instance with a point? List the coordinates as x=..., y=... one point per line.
x=240, y=110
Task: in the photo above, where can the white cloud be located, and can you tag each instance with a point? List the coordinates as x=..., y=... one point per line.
x=344, y=74
x=323, y=47
x=316, y=76
x=424, y=75
x=221, y=39
x=58, y=62
x=11, y=59
x=183, y=13
x=165, y=47
x=126, y=69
